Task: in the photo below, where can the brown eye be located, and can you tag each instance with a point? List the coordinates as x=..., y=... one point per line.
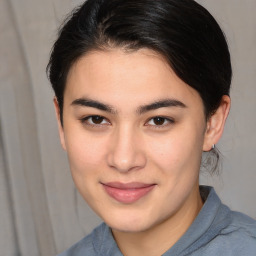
x=159, y=120
x=97, y=119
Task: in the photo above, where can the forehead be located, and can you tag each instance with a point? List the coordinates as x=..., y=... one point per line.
x=124, y=77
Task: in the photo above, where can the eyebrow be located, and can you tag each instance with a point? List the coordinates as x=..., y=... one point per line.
x=93, y=104
x=161, y=104
x=85, y=102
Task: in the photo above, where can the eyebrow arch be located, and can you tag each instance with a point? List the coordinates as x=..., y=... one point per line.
x=85, y=102
x=161, y=104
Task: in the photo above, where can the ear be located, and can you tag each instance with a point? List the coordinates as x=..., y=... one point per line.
x=60, y=127
x=216, y=123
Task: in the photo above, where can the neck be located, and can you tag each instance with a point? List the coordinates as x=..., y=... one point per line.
x=158, y=239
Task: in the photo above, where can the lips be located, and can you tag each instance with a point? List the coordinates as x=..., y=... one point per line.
x=127, y=192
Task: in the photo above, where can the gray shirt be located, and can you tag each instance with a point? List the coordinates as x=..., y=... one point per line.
x=216, y=231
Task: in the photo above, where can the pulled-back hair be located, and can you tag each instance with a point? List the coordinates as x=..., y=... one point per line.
x=182, y=31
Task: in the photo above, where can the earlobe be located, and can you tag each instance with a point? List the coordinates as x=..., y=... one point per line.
x=60, y=127
x=216, y=123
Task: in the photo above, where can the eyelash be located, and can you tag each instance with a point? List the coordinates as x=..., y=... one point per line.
x=167, y=121
x=85, y=121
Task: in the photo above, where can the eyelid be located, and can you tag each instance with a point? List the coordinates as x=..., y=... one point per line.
x=84, y=120
x=168, y=119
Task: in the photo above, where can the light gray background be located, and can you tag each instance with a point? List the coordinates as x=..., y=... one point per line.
x=40, y=211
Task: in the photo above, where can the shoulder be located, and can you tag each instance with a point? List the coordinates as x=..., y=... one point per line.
x=242, y=222
x=226, y=232
x=237, y=238
x=86, y=246
x=241, y=229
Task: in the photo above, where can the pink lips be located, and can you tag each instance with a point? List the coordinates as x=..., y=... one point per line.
x=127, y=192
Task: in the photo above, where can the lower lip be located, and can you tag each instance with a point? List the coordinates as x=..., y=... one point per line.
x=127, y=196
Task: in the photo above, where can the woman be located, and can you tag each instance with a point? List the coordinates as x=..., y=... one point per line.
x=142, y=90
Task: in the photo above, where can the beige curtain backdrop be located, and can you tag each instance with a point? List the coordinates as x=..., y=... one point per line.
x=41, y=213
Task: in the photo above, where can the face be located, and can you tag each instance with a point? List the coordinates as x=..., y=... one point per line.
x=134, y=134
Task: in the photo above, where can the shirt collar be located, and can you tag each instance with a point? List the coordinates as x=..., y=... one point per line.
x=213, y=217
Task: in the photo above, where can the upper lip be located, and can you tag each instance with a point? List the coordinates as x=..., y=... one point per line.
x=130, y=185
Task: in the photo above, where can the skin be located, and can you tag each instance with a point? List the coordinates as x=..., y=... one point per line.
x=129, y=145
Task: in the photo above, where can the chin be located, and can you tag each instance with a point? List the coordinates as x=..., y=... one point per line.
x=128, y=227
x=129, y=224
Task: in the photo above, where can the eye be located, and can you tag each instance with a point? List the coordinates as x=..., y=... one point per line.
x=159, y=121
x=95, y=120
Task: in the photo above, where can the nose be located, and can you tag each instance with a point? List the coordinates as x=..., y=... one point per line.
x=126, y=152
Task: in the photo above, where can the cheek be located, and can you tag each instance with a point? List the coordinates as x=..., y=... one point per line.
x=86, y=163
x=178, y=152
x=85, y=153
